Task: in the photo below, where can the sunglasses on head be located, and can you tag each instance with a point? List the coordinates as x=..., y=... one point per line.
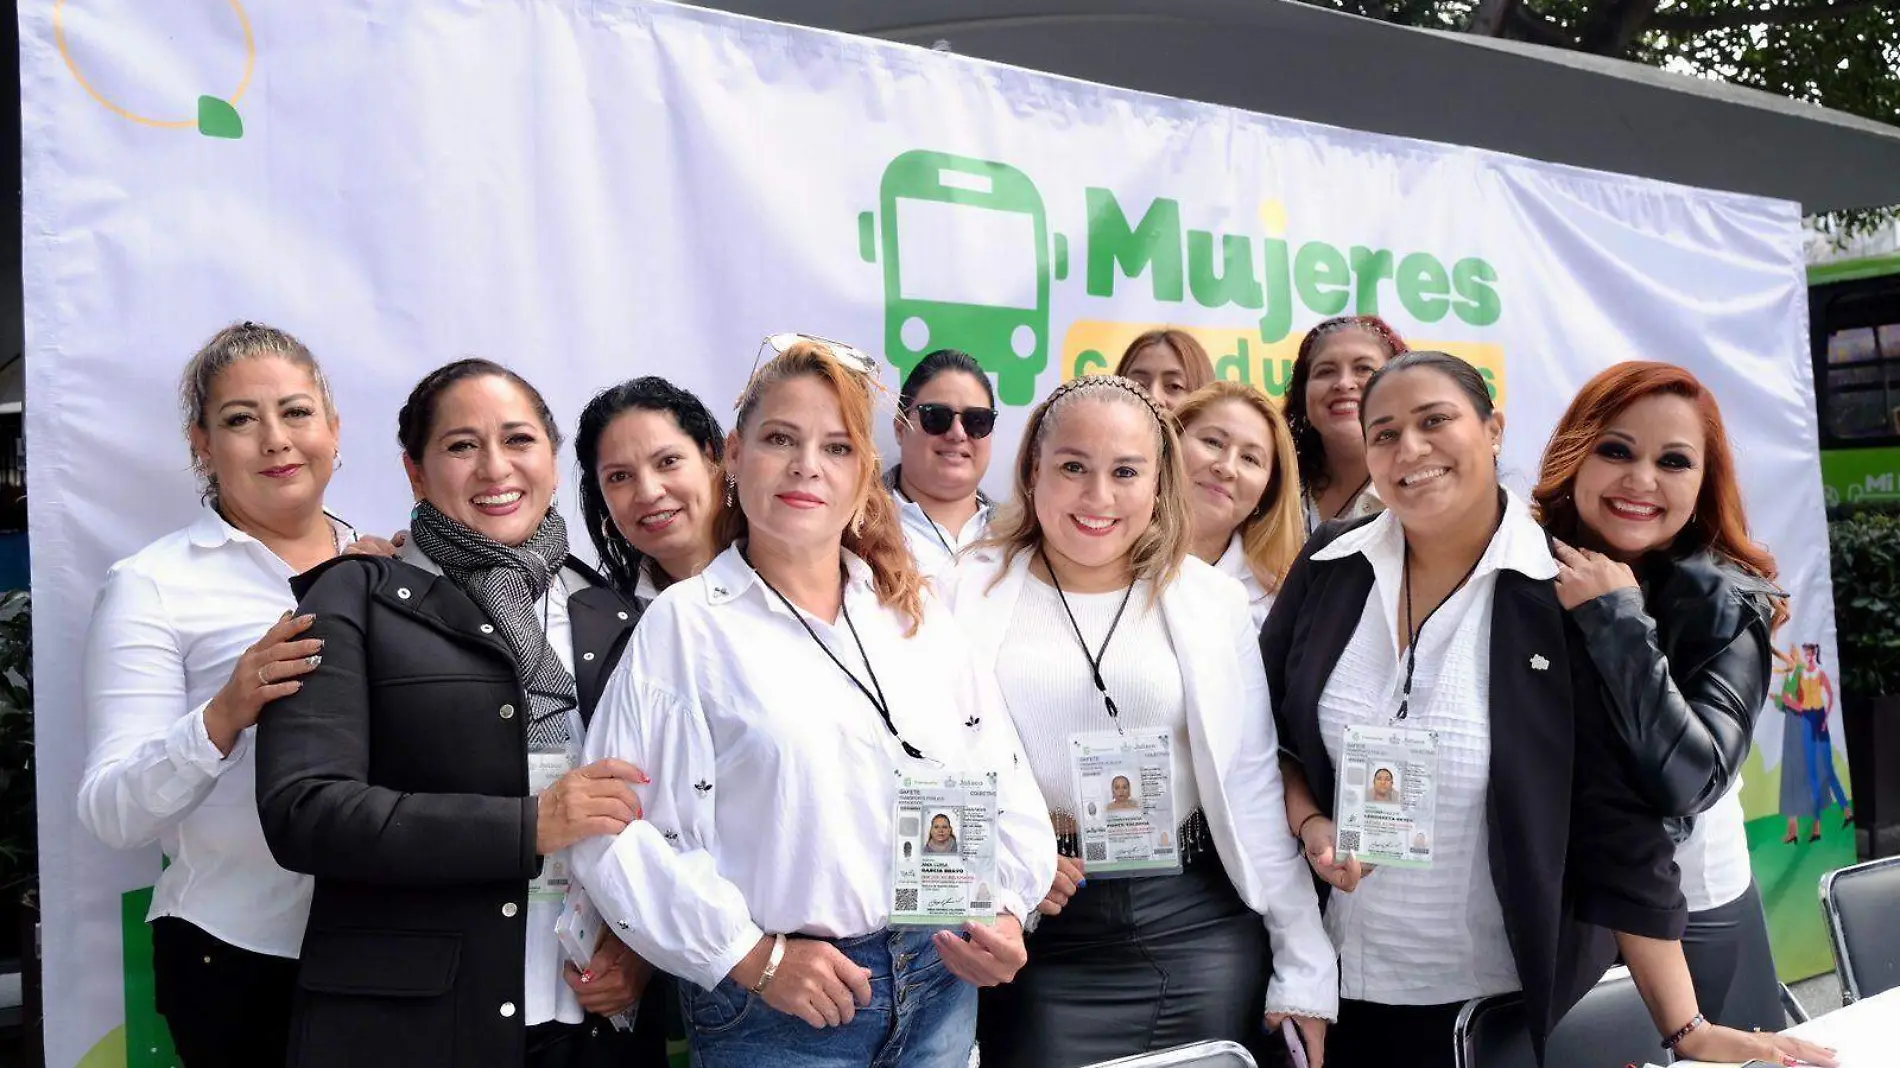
x=851, y=356
x=935, y=419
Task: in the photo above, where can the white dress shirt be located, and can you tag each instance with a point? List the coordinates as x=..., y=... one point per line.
x=1427, y=937
x=547, y=995
x=1233, y=563
x=1364, y=503
x=934, y=545
x=1233, y=747
x=169, y=626
x=773, y=786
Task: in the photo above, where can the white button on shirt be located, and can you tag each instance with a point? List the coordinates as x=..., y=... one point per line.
x=545, y=994
x=169, y=626
x=773, y=777
x=1433, y=936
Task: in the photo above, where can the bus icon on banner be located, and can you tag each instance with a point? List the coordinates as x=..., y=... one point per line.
x=967, y=262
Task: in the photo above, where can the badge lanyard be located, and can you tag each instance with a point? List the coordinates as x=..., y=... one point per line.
x=1411, y=649
x=934, y=528
x=877, y=699
x=1095, y=658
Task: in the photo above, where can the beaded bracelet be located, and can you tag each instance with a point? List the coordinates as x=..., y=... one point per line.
x=1675, y=1040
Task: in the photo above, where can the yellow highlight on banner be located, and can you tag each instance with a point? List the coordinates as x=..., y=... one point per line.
x=1092, y=346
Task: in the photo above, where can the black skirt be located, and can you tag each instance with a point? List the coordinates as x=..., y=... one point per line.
x=1132, y=966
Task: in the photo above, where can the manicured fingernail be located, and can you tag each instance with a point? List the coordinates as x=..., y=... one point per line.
x=288, y=612
x=1080, y=883
x=587, y=977
x=307, y=619
x=313, y=659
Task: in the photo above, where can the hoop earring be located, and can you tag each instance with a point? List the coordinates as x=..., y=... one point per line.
x=336, y=461
x=857, y=523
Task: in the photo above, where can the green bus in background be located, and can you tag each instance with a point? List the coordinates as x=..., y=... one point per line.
x=1854, y=320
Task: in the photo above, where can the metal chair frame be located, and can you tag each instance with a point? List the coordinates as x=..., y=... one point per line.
x=1843, y=964
x=1183, y=1056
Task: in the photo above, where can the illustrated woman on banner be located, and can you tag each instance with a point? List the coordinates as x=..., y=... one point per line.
x=810, y=653
x=426, y=774
x=1490, y=686
x=1335, y=361
x=1677, y=604
x=945, y=413
x=1809, y=780
x=193, y=640
x=1127, y=667
x=1243, y=487
x=651, y=482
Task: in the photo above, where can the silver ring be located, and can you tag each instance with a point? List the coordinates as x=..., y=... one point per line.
x=261, y=680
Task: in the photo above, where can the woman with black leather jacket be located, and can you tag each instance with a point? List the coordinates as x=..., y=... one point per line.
x=1677, y=604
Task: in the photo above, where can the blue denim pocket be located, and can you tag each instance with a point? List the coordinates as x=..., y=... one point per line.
x=720, y=1009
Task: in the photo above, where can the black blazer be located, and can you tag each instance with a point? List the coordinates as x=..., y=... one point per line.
x=1685, y=660
x=1575, y=852
x=398, y=776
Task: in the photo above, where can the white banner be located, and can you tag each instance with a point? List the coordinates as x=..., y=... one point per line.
x=593, y=189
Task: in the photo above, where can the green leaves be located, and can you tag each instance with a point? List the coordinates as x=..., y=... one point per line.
x=1866, y=563
x=217, y=118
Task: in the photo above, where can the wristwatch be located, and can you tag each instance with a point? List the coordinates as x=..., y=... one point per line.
x=771, y=964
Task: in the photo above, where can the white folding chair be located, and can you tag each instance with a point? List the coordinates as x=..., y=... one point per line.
x=1193, y=1055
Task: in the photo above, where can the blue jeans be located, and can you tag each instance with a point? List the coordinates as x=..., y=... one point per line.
x=1818, y=748
x=920, y=1016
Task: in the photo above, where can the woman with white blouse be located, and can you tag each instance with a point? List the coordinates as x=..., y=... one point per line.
x=1429, y=642
x=1243, y=487
x=1127, y=670
x=191, y=638
x=945, y=413
x=1335, y=361
x=779, y=700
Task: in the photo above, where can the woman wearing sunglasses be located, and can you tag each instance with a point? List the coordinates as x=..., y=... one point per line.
x=945, y=413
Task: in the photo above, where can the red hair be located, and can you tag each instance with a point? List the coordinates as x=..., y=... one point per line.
x=1719, y=524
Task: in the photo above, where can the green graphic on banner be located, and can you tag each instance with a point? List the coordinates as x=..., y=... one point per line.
x=941, y=194
x=148, y=1042
x=1854, y=475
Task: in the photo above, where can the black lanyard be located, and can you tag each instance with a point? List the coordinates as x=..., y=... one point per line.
x=934, y=528
x=1350, y=501
x=877, y=700
x=1411, y=649
x=1095, y=658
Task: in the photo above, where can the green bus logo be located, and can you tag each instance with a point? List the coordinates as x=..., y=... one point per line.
x=968, y=260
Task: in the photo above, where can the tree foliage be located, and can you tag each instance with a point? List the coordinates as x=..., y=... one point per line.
x=1841, y=54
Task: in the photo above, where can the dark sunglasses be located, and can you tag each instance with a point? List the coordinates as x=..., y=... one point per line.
x=935, y=419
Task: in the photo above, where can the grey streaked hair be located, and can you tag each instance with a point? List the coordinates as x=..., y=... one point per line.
x=239, y=341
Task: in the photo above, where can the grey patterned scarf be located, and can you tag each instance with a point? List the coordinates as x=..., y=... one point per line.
x=505, y=582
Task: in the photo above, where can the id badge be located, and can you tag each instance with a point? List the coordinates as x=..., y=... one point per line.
x=1124, y=788
x=943, y=862
x=545, y=768
x=1387, y=794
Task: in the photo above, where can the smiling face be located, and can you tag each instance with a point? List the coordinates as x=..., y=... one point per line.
x=660, y=487
x=1160, y=371
x=1639, y=486
x=1228, y=449
x=946, y=466
x=799, y=474
x=1431, y=455
x=1097, y=475
x=1342, y=363
x=268, y=440
x=488, y=461
x=940, y=830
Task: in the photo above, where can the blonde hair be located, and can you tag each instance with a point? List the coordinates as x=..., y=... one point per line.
x=874, y=534
x=1158, y=552
x=1274, y=531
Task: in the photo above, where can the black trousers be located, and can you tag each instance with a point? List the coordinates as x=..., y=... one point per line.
x=1132, y=965
x=1732, y=966
x=1370, y=1035
x=226, y=1007
x=593, y=1043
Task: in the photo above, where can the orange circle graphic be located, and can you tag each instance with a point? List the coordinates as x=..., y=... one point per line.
x=65, y=53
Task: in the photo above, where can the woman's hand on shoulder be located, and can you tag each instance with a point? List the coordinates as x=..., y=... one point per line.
x=372, y=545
x=1584, y=575
x=593, y=800
x=984, y=955
x=269, y=669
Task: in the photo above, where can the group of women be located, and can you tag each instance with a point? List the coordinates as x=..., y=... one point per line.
x=385, y=772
